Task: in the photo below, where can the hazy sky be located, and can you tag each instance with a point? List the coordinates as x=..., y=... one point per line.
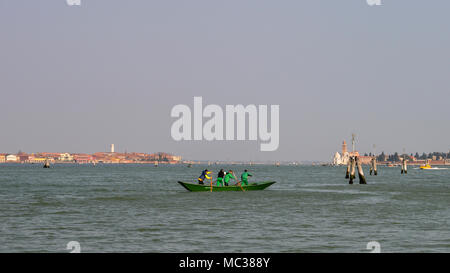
x=75, y=79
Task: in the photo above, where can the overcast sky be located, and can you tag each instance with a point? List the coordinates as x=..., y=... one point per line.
x=76, y=79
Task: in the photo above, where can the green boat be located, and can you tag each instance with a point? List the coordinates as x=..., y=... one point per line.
x=250, y=187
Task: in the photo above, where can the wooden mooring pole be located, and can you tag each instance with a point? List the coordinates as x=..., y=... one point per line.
x=373, y=166
x=362, y=179
x=349, y=164
x=353, y=169
x=375, y=171
x=404, y=167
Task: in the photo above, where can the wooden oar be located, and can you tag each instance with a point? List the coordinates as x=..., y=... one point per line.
x=240, y=184
x=211, y=184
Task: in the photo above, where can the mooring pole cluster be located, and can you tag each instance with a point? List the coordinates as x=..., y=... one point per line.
x=373, y=166
x=47, y=164
x=353, y=164
x=404, y=166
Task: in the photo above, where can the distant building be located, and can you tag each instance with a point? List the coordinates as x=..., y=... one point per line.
x=338, y=160
x=12, y=158
x=65, y=157
x=343, y=157
x=344, y=147
x=83, y=158
x=37, y=159
x=164, y=157
x=365, y=160
x=176, y=158
x=52, y=156
x=23, y=157
x=112, y=148
x=2, y=158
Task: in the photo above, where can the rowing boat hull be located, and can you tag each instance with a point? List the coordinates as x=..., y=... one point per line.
x=251, y=187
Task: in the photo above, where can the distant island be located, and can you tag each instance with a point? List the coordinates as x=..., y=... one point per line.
x=82, y=158
x=435, y=158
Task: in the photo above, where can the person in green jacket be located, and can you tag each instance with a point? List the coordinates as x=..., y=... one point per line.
x=230, y=175
x=244, y=177
x=220, y=177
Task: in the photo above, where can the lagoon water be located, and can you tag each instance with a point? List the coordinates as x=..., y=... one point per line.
x=142, y=208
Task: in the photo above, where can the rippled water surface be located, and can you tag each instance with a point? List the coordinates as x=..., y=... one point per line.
x=141, y=208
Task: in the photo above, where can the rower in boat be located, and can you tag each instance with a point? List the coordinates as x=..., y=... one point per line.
x=244, y=177
x=230, y=175
x=205, y=175
x=220, y=177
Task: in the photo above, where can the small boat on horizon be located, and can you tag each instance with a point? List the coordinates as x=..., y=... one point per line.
x=428, y=167
x=425, y=167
